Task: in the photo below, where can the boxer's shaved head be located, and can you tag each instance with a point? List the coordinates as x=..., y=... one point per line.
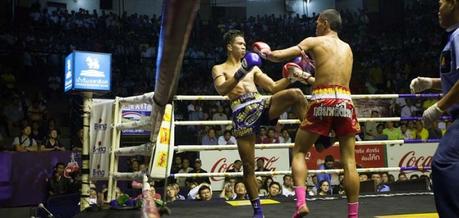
x=333, y=18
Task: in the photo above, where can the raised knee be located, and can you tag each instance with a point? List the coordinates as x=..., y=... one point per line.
x=297, y=94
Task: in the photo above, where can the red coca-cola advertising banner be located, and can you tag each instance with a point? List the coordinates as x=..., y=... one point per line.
x=411, y=155
x=367, y=156
x=221, y=161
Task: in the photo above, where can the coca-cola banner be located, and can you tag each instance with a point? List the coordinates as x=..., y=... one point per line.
x=410, y=155
x=367, y=156
x=220, y=161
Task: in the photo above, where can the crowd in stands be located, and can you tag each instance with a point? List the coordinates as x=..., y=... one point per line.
x=35, y=115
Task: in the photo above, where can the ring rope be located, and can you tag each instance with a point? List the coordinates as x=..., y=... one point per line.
x=183, y=148
x=145, y=98
x=360, y=96
x=289, y=172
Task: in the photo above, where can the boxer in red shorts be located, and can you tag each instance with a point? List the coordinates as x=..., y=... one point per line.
x=331, y=107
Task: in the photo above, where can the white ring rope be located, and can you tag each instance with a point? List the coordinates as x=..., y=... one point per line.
x=183, y=148
x=288, y=121
x=288, y=172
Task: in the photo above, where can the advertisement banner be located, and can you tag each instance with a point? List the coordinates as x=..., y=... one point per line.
x=100, y=138
x=410, y=155
x=135, y=112
x=158, y=164
x=87, y=71
x=221, y=161
x=365, y=155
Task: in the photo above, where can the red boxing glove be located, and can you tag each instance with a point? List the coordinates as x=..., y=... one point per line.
x=261, y=49
x=294, y=73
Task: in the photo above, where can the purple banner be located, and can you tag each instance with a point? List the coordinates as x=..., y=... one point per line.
x=23, y=176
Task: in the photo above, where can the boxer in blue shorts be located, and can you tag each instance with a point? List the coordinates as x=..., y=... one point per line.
x=445, y=164
x=237, y=78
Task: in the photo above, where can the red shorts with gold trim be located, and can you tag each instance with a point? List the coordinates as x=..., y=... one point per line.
x=331, y=108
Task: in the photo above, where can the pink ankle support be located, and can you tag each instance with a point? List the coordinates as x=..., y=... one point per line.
x=300, y=192
x=353, y=210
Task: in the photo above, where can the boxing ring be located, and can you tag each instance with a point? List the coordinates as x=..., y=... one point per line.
x=371, y=204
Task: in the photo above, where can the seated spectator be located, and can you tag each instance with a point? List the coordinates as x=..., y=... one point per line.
x=380, y=133
x=58, y=184
x=198, y=169
x=77, y=144
x=274, y=190
x=240, y=191
x=410, y=130
x=421, y=132
x=185, y=169
x=434, y=131
x=363, y=177
x=261, y=137
x=205, y=193
x=177, y=164
x=339, y=189
x=37, y=134
x=327, y=165
x=385, y=178
x=402, y=177
x=227, y=191
x=177, y=191
x=324, y=188
x=285, y=137
x=52, y=143
x=210, y=138
x=236, y=166
x=287, y=186
x=261, y=167
x=380, y=186
x=24, y=142
x=414, y=177
x=227, y=138
x=262, y=191
x=392, y=132
x=271, y=137
x=370, y=127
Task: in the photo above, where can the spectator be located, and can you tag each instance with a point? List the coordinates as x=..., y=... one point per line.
x=77, y=144
x=328, y=164
x=227, y=138
x=380, y=186
x=197, y=169
x=210, y=138
x=262, y=190
x=414, y=177
x=324, y=188
x=285, y=137
x=410, y=131
x=287, y=186
x=24, y=142
x=261, y=135
x=185, y=169
x=385, y=178
x=177, y=191
x=274, y=190
x=363, y=177
x=409, y=109
x=421, y=132
x=228, y=191
x=339, y=189
x=58, y=184
x=171, y=194
x=271, y=137
x=240, y=190
x=52, y=143
x=260, y=165
x=380, y=133
x=434, y=132
x=220, y=115
x=177, y=164
x=237, y=166
x=402, y=177
x=370, y=127
x=205, y=193
x=392, y=132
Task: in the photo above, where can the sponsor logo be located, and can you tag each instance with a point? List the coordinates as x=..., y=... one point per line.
x=222, y=165
x=410, y=159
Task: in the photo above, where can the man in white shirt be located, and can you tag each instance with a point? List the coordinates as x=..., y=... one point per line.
x=227, y=138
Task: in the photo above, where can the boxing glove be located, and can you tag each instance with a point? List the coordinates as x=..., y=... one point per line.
x=305, y=63
x=294, y=73
x=261, y=49
x=249, y=61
